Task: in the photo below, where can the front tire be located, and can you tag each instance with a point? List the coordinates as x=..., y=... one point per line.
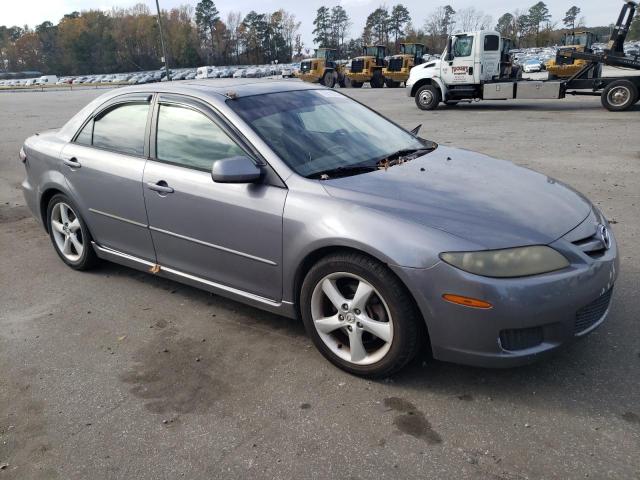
x=69, y=234
x=328, y=80
x=360, y=316
x=427, y=97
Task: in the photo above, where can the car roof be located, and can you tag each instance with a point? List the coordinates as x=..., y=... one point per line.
x=221, y=87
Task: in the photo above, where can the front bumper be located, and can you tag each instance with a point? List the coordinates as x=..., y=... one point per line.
x=547, y=304
x=310, y=77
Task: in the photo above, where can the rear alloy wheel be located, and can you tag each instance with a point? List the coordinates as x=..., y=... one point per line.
x=619, y=95
x=360, y=316
x=427, y=97
x=69, y=234
x=328, y=80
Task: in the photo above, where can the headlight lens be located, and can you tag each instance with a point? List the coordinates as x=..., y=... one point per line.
x=511, y=262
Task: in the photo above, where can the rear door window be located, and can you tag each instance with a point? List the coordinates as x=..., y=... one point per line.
x=122, y=129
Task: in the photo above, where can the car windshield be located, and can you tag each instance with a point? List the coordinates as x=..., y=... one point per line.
x=315, y=131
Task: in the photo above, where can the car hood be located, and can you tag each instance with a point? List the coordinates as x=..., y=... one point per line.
x=490, y=202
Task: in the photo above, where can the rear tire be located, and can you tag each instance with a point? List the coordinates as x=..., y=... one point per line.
x=69, y=234
x=382, y=306
x=356, y=84
x=619, y=96
x=377, y=80
x=427, y=97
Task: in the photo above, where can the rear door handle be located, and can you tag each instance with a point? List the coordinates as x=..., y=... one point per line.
x=160, y=187
x=72, y=162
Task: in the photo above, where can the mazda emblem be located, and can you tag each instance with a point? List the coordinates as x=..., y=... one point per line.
x=605, y=236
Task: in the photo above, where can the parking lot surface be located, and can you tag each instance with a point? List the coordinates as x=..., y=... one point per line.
x=119, y=374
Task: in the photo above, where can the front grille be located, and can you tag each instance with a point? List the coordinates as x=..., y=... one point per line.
x=592, y=246
x=395, y=64
x=357, y=66
x=305, y=66
x=521, y=338
x=588, y=316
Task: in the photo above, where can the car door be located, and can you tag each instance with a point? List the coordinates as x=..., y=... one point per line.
x=230, y=234
x=103, y=167
x=460, y=70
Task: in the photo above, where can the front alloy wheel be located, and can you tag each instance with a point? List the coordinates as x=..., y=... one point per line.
x=351, y=318
x=360, y=316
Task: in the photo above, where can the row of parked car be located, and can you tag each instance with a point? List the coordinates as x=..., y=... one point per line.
x=245, y=71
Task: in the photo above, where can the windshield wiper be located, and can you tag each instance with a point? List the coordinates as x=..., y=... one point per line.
x=343, y=171
x=402, y=156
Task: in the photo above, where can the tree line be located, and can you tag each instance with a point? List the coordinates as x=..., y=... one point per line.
x=127, y=39
x=389, y=26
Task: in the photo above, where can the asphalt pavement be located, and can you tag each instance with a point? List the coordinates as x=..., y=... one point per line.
x=117, y=374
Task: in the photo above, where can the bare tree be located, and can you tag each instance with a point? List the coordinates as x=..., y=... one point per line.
x=234, y=20
x=469, y=19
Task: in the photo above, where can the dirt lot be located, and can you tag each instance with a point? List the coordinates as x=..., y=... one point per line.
x=101, y=379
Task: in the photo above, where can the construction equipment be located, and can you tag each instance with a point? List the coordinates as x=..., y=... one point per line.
x=368, y=67
x=398, y=67
x=323, y=68
x=563, y=67
x=472, y=68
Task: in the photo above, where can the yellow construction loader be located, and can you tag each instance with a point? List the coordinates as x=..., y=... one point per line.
x=398, y=67
x=368, y=67
x=563, y=67
x=323, y=68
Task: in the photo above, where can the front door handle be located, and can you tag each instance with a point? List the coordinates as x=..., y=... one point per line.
x=160, y=187
x=72, y=162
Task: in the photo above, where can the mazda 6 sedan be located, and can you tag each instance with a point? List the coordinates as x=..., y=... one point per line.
x=297, y=199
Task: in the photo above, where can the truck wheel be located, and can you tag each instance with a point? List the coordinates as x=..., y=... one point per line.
x=356, y=84
x=377, y=81
x=427, y=97
x=619, y=95
x=391, y=83
x=343, y=81
x=328, y=80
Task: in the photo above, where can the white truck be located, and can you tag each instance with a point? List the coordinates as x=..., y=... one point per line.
x=478, y=66
x=47, y=79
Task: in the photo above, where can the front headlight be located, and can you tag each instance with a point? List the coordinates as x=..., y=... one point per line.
x=511, y=262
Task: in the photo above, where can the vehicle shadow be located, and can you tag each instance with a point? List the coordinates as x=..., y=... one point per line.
x=245, y=314
x=537, y=106
x=566, y=380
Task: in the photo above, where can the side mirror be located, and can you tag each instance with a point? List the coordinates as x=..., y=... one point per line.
x=450, y=55
x=235, y=170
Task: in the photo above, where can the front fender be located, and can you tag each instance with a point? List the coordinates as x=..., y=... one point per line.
x=313, y=221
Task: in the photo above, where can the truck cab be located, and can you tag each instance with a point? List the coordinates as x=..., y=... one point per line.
x=469, y=60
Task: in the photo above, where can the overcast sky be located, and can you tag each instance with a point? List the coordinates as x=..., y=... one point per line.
x=32, y=12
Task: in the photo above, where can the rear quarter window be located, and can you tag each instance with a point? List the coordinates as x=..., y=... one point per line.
x=491, y=43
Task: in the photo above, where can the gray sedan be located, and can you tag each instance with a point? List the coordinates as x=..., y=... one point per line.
x=301, y=201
